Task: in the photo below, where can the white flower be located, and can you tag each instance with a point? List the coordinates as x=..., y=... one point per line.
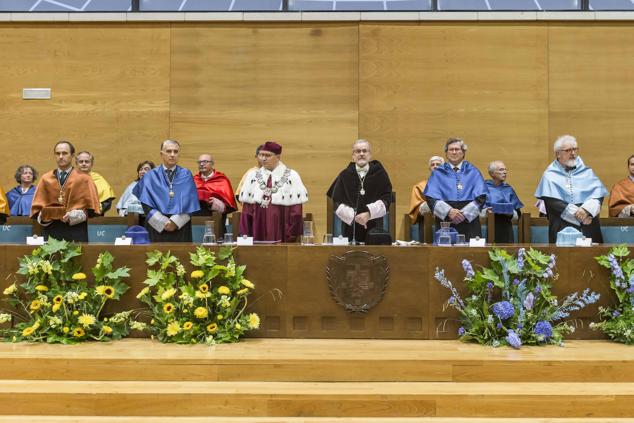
x=627, y=332
x=71, y=297
x=186, y=299
x=137, y=325
x=5, y=317
x=180, y=270
x=224, y=302
x=54, y=321
x=120, y=317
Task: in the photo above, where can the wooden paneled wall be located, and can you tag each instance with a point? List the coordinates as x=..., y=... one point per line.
x=507, y=88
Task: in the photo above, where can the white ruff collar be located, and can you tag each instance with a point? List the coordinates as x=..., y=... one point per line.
x=286, y=189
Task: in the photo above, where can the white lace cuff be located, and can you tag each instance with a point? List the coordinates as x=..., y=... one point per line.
x=592, y=206
x=76, y=216
x=424, y=208
x=345, y=213
x=377, y=209
x=441, y=209
x=180, y=219
x=471, y=211
x=626, y=212
x=158, y=221
x=569, y=214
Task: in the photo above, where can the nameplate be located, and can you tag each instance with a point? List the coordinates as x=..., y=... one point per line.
x=123, y=240
x=245, y=240
x=583, y=242
x=339, y=240
x=34, y=240
x=477, y=242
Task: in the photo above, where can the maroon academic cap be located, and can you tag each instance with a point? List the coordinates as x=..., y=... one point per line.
x=273, y=147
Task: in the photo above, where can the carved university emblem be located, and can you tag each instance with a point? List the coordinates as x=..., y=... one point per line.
x=357, y=280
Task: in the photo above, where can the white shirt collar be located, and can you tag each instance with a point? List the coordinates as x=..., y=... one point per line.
x=205, y=178
x=459, y=165
x=631, y=178
x=362, y=169
x=168, y=168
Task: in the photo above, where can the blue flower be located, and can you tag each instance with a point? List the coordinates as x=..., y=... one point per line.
x=504, y=310
x=516, y=281
x=630, y=289
x=489, y=285
x=461, y=331
x=616, y=313
x=468, y=269
x=544, y=329
x=520, y=258
x=529, y=301
x=538, y=289
x=499, y=325
x=513, y=340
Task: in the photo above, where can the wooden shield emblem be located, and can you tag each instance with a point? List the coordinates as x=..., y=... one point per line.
x=357, y=280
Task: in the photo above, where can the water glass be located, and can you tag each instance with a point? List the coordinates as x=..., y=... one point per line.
x=460, y=239
x=209, y=238
x=228, y=238
x=327, y=239
x=444, y=240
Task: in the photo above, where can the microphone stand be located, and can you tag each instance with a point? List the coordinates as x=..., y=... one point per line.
x=354, y=222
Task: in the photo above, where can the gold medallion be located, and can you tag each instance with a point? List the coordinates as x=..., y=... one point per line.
x=171, y=194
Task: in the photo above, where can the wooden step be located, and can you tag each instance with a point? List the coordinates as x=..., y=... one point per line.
x=172, y=419
x=319, y=360
x=316, y=399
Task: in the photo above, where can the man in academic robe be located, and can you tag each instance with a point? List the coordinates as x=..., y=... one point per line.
x=85, y=162
x=21, y=196
x=65, y=198
x=169, y=198
x=417, y=204
x=272, y=198
x=621, y=203
x=456, y=191
x=361, y=193
x=572, y=193
x=215, y=193
x=503, y=202
x=244, y=176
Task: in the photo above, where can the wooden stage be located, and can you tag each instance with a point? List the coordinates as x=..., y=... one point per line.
x=294, y=380
x=293, y=299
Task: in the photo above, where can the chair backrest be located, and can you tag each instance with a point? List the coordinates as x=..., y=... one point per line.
x=198, y=226
x=106, y=229
x=518, y=231
x=16, y=229
x=334, y=224
x=614, y=230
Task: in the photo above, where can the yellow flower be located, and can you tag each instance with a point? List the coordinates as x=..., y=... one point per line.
x=75, y=313
x=58, y=299
x=238, y=326
x=83, y=295
x=41, y=288
x=28, y=331
x=79, y=276
x=197, y=274
x=35, y=305
x=201, y=312
x=168, y=308
x=203, y=288
x=247, y=283
x=188, y=325
x=254, y=321
x=56, y=307
x=105, y=290
x=212, y=328
x=224, y=290
x=66, y=329
x=106, y=329
x=202, y=295
x=10, y=290
x=220, y=317
x=86, y=320
x=167, y=294
x=173, y=328
x=78, y=332
x=242, y=291
x=36, y=325
x=143, y=292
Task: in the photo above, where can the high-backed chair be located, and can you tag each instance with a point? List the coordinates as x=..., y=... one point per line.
x=334, y=225
x=614, y=230
x=17, y=228
x=106, y=229
x=198, y=226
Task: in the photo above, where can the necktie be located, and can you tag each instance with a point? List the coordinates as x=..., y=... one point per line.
x=170, y=174
x=62, y=178
x=455, y=169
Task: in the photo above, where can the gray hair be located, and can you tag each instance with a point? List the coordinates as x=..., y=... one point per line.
x=168, y=141
x=453, y=140
x=493, y=166
x=562, y=140
x=438, y=158
x=362, y=141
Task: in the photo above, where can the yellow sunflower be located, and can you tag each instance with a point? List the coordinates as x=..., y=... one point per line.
x=197, y=274
x=224, y=290
x=254, y=321
x=56, y=307
x=66, y=329
x=35, y=305
x=78, y=332
x=173, y=328
x=168, y=308
x=188, y=325
x=106, y=329
x=41, y=288
x=86, y=320
x=28, y=331
x=212, y=328
x=201, y=312
x=79, y=276
x=58, y=299
x=105, y=290
x=203, y=288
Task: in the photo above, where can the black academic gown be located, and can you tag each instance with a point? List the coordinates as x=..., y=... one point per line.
x=554, y=208
x=346, y=189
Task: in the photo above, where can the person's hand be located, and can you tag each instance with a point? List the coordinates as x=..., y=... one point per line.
x=587, y=220
x=582, y=215
x=455, y=216
x=66, y=217
x=362, y=219
x=170, y=226
x=216, y=205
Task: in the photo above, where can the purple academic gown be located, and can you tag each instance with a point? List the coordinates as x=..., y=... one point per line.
x=272, y=223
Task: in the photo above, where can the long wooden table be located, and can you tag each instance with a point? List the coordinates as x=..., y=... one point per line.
x=293, y=299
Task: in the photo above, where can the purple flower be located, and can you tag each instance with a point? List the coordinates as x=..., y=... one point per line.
x=516, y=281
x=461, y=331
x=548, y=273
x=489, y=285
x=616, y=313
x=544, y=329
x=616, y=268
x=504, y=310
x=451, y=300
x=468, y=269
x=513, y=340
x=520, y=258
x=538, y=289
x=499, y=325
x=529, y=301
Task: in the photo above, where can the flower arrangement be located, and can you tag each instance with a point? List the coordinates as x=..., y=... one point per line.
x=511, y=303
x=619, y=319
x=206, y=306
x=57, y=304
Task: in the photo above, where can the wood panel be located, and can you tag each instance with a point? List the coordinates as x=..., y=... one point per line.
x=236, y=86
x=591, y=88
x=486, y=83
x=110, y=95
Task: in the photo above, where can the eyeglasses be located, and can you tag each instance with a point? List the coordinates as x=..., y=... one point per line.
x=570, y=150
x=363, y=151
x=204, y=162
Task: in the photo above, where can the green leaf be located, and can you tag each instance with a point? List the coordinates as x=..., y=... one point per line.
x=490, y=275
x=603, y=261
x=620, y=251
x=153, y=277
x=153, y=257
x=225, y=252
x=121, y=272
